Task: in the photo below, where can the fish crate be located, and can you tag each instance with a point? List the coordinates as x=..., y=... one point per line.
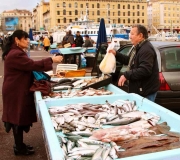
x=56, y=152
x=115, y=90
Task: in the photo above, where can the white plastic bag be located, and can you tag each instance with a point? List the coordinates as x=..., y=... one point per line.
x=108, y=64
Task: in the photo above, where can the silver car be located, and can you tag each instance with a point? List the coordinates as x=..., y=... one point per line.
x=168, y=55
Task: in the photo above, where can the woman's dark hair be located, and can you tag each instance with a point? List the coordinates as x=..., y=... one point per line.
x=11, y=40
x=141, y=29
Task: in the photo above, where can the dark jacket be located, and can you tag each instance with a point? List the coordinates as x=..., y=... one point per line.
x=18, y=101
x=70, y=39
x=79, y=41
x=143, y=75
x=87, y=43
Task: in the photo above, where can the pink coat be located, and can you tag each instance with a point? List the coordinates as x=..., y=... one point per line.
x=18, y=101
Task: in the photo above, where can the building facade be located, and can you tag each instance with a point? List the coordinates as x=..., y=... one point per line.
x=38, y=15
x=125, y=12
x=165, y=14
x=16, y=19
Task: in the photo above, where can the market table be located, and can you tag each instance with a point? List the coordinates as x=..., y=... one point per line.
x=75, y=51
x=56, y=152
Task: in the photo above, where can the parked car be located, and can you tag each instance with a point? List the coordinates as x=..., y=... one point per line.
x=168, y=55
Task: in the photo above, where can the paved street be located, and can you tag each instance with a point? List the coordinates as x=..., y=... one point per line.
x=34, y=137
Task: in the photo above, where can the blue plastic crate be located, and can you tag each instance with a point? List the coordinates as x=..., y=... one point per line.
x=51, y=138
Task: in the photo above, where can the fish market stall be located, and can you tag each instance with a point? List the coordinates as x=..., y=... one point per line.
x=157, y=115
x=110, y=89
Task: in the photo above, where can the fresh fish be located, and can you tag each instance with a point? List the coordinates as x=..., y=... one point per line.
x=91, y=141
x=61, y=88
x=123, y=121
x=77, y=82
x=74, y=138
x=105, y=152
x=87, y=152
x=82, y=133
x=70, y=145
x=97, y=154
x=112, y=153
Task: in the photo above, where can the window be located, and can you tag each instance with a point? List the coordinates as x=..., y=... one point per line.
x=58, y=12
x=70, y=20
x=138, y=14
x=98, y=5
x=124, y=7
x=124, y=21
x=64, y=20
x=58, y=20
x=69, y=5
x=138, y=21
x=75, y=5
x=119, y=13
x=119, y=20
x=98, y=19
x=81, y=5
x=129, y=13
x=133, y=7
x=119, y=6
x=98, y=12
x=87, y=5
x=113, y=14
x=142, y=7
x=92, y=5
x=64, y=4
x=124, y=14
x=138, y=6
x=93, y=13
x=76, y=12
x=64, y=12
x=70, y=12
x=143, y=21
x=128, y=6
x=109, y=13
x=133, y=14
x=142, y=14
x=172, y=58
x=129, y=20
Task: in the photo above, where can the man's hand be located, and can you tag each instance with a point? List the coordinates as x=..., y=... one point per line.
x=121, y=81
x=112, y=51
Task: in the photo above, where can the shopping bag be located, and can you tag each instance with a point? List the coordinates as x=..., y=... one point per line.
x=41, y=76
x=42, y=85
x=108, y=64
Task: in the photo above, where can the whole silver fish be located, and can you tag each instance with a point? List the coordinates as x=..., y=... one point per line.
x=123, y=121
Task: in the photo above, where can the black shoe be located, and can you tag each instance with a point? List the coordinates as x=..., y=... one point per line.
x=28, y=147
x=24, y=151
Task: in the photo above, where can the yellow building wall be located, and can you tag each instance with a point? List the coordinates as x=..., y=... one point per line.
x=118, y=11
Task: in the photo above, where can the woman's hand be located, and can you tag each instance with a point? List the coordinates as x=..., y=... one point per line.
x=57, y=59
x=112, y=51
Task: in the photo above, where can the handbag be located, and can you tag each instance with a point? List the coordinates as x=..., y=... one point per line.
x=41, y=76
x=43, y=86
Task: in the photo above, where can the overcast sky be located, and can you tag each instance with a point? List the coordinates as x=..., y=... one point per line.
x=18, y=4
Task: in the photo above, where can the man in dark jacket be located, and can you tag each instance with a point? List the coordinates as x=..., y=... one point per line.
x=142, y=71
x=79, y=40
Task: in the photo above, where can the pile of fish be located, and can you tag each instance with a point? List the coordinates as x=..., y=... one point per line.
x=77, y=121
x=78, y=93
x=76, y=147
x=66, y=83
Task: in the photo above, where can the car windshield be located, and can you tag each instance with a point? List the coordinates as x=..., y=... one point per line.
x=171, y=59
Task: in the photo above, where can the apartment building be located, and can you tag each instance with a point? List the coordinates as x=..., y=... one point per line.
x=165, y=14
x=16, y=19
x=62, y=12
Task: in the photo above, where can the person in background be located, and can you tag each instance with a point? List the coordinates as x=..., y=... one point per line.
x=142, y=71
x=19, y=112
x=51, y=39
x=79, y=40
x=87, y=42
x=70, y=38
x=1, y=42
x=46, y=43
x=92, y=41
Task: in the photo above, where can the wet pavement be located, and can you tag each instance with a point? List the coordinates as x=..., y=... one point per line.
x=34, y=137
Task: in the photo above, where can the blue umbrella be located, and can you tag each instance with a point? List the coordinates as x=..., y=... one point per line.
x=101, y=34
x=31, y=34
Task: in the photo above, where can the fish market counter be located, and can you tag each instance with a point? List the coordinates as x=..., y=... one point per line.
x=55, y=152
x=110, y=87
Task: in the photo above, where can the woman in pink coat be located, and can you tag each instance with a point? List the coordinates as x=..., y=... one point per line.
x=18, y=102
